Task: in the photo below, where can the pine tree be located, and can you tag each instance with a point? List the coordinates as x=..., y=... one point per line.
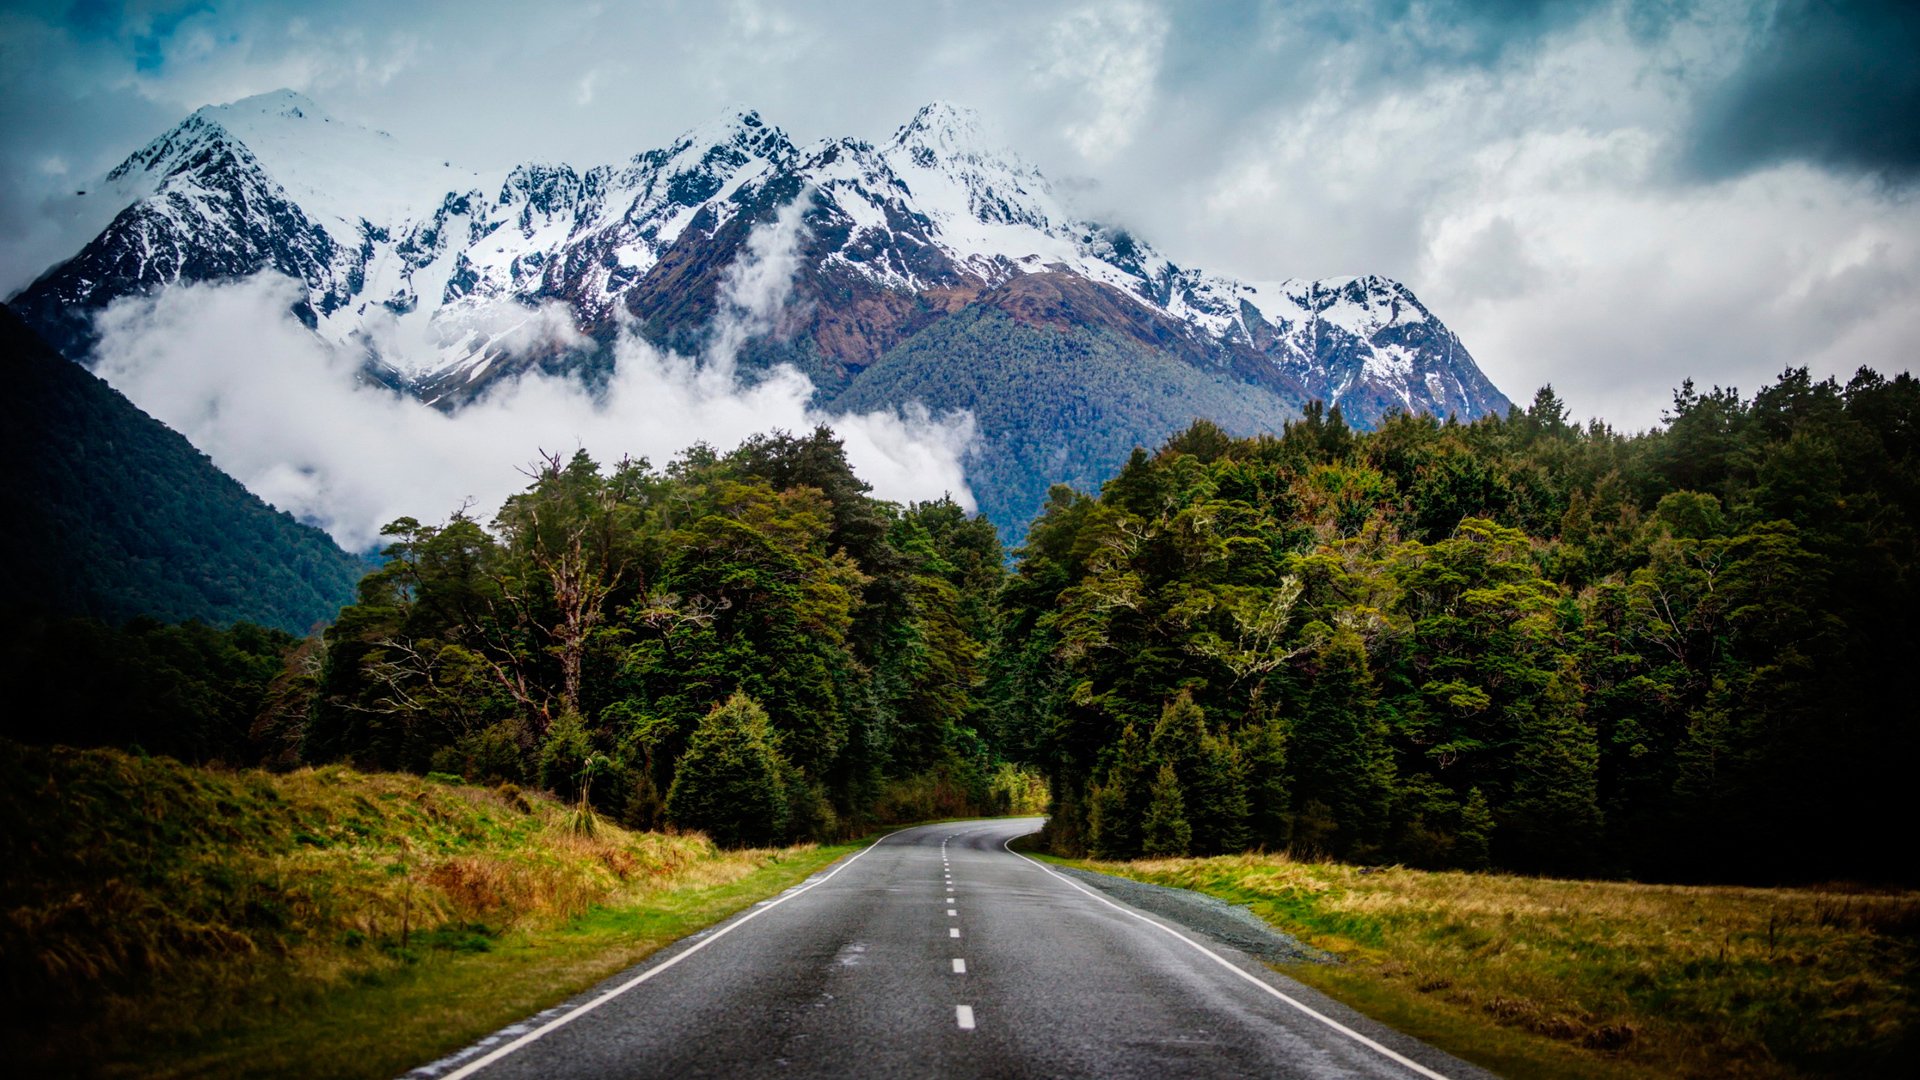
x=1338, y=750
x=1166, y=831
x=1552, y=822
x=1473, y=844
x=1219, y=807
x=1269, y=800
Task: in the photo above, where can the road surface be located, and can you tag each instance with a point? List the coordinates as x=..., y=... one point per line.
x=938, y=952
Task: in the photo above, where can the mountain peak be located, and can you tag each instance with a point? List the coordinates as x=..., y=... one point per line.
x=735, y=125
x=279, y=104
x=943, y=127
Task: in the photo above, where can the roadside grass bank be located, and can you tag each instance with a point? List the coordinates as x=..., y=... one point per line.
x=158, y=919
x=1534, y=977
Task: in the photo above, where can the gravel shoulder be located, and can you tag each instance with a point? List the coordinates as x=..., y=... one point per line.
x=1231, y=925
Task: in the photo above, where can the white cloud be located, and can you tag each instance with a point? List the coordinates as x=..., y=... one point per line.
x=228, y=367
x=1110, y=55
x=1523, y=182
x=1533, y=204
x=1629, y=292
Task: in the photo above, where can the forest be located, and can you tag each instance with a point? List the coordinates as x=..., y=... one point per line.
x=1519, y=642
x=1678, y=655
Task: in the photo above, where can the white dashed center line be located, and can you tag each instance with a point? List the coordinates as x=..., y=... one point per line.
x=963, y=1015
x=953, y=931
x=959, y=966
x=951, y=912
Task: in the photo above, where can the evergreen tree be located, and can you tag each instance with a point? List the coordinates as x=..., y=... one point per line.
x=1269, y=800
x=1337, y=751
x=1218, y=807
x=1165, y=831
x=1473, y=844
x=1177, y=736
x=1552, y=822
x=729, y=782
x=1116, y=813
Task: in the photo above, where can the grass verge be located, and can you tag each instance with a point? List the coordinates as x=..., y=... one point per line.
x=1534, y=977
x=157, y=919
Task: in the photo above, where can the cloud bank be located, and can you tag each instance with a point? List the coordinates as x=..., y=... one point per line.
x=1609, y=195
x=229, y=367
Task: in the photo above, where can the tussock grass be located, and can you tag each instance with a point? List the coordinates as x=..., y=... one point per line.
x=1542, y=977
x=158, y=918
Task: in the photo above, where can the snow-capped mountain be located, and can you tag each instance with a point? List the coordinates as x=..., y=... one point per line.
x=440, y=274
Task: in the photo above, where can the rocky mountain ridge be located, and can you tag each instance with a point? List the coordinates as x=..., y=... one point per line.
x=446, y=279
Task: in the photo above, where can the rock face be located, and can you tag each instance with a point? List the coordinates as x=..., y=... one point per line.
x=445, y=279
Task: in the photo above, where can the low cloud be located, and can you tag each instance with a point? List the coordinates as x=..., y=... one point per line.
x=287, y=414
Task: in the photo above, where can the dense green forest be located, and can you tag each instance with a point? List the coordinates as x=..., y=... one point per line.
x=111, y=514
x=1682, y=654
x=747, y=643
x=1517, y=642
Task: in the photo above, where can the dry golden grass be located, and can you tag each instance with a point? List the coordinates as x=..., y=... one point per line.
x=1599, y=977
x=153, y=910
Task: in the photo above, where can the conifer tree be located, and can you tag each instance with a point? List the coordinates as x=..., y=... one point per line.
x=1218, y=808
x=1269, y=799
x=1166, y=831
x=1473, y=844
x=1552, y=821
x=1177, y=737
x=1115, y=812
x=1338, y=751
x=728, y=783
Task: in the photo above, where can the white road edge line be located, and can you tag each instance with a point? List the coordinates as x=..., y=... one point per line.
x=1385, y=1051
x=963, y=1015
x=561, y=1021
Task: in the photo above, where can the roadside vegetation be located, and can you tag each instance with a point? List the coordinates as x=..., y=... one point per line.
x=1514, y=644
x=1537, y=977
x=159, y=919
x=1517, y=643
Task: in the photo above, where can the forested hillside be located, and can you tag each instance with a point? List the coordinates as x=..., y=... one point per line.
x=111, y=514
x=1054, y=405
x=1683, y=654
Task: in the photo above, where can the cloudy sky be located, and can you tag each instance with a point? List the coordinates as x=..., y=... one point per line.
x=1610, y=195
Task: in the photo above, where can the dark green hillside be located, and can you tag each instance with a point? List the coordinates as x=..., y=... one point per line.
x=109, y=513
x=1054, y=407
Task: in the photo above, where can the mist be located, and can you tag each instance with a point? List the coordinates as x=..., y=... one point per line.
x=287, y=414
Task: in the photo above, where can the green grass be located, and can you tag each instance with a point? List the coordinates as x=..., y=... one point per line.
x=158, y=919
x=1535, y=977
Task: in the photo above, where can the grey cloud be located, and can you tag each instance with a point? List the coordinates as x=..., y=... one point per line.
x=1833, y=84
x=1277, y=138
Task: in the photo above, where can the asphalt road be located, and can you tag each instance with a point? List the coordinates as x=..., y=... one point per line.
x=938, y=952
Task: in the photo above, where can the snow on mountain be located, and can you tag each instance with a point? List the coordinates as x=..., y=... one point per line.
x=440, y=273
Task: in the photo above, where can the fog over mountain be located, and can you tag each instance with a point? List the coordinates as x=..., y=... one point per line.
x=739, y=277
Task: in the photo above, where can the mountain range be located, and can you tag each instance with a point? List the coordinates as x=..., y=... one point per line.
x=932, y=267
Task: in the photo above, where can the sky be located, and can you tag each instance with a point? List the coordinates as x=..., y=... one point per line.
x=1605, y=195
